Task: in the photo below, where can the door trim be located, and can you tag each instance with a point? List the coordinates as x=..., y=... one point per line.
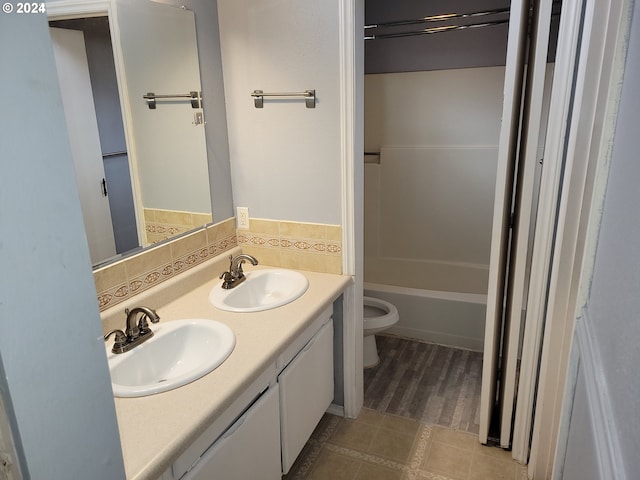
x=352, y=166
x=598, y=85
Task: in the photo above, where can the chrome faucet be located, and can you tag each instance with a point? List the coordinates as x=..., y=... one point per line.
x=235, y=275
x=137, y=330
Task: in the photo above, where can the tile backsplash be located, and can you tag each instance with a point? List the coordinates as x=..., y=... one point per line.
x=300, y=246
x=120, y=281
x=161, y=224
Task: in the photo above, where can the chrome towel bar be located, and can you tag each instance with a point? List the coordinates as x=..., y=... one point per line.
x=309, y=96
x=195, y=97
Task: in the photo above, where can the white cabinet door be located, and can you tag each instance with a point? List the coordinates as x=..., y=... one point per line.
x=306, y=391
x=249, y=449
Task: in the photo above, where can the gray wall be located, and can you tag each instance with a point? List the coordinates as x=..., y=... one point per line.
x=611, y=319
x=286, y=158
x=51, y=343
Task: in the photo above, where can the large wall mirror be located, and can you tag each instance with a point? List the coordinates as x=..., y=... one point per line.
x=141, y=165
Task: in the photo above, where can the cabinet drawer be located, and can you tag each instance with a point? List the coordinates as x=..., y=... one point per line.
x=221, y=424
x=306, y=391
x=298, y=344
x=249, y=449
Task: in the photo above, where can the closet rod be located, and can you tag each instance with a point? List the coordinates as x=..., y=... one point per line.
x=445, y=28
x=447, y=16
x=427, y=31
x=438, y=18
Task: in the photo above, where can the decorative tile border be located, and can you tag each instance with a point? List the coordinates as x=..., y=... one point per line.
x=115, y=284
x=157, y=233
x=304, y=246
x=113, y=296
x=160, y=224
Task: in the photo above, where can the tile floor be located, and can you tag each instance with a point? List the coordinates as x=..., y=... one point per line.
x=381, y=446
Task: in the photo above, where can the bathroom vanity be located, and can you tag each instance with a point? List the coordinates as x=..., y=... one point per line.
x=251, y=416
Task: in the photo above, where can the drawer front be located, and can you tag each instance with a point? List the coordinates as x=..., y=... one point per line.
x=298, y=344
x=306, y=391
x=221, y=424
x=249, y=449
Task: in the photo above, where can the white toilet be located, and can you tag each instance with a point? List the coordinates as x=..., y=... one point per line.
x=378, y=316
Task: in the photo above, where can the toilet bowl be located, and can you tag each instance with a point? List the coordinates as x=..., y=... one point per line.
x=378, y=316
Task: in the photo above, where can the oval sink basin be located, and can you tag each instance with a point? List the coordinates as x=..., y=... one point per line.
x=262, y=290
x=179, y=352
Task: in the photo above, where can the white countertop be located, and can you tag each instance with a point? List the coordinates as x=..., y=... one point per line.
x=156, y=429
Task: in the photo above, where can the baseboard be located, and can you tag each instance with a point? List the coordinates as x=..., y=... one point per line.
x=447, y=340
x=336, y=410
x=606, y=438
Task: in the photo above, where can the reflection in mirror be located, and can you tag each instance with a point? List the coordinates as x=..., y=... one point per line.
x=142, y=173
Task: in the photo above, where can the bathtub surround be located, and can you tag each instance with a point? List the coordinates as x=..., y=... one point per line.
x=301, y=246
x=161, y=224
x=443, y=317
x=437, y=134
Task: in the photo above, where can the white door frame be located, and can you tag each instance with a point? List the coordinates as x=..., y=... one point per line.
x=352, y=165
x=591, y=127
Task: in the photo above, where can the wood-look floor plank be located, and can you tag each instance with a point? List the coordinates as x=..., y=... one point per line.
x=427, y=382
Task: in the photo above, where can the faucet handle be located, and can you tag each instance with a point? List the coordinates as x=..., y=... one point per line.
x=143, y=325
x=119, y=340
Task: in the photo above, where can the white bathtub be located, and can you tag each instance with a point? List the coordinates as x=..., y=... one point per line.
x=446, y=318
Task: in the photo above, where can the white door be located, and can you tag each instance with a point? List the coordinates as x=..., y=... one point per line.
x=525, y=206
x=513, y=210
x=82, y=126
x=507, y=151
